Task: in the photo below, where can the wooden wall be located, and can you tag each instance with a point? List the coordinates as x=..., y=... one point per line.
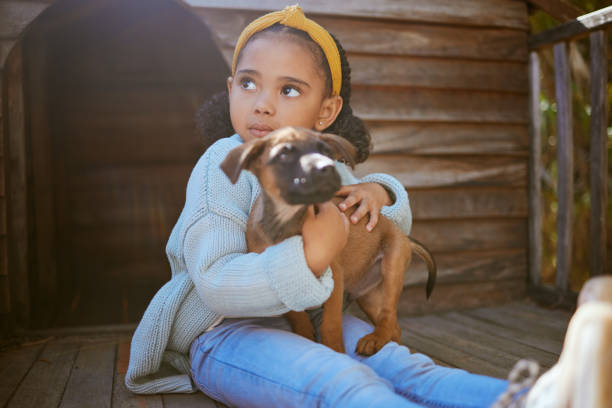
x=443, y=88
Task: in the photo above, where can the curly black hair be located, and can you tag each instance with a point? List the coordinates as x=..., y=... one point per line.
x=213, y=118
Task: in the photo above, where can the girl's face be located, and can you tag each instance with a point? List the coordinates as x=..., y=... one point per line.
x=278, y=83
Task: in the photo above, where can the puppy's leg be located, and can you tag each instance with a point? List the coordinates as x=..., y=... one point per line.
x=300, y=324
x=331, y=324
x=380, y=304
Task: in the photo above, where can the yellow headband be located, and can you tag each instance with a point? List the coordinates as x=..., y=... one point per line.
x=292, y=16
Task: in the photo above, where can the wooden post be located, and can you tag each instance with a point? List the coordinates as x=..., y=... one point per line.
x=565, y=165
x=599, y=153
x=535, y=188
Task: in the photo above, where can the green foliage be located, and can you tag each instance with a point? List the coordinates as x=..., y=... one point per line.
x=579, y=62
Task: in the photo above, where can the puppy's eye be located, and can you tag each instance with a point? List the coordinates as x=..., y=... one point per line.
x=286, y=152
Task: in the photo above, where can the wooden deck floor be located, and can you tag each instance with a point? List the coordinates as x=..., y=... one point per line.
x=87, y=369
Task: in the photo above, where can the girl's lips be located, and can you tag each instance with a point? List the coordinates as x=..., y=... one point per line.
x=260, y=130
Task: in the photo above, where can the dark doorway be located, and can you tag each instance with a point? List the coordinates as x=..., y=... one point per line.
x=111, y=90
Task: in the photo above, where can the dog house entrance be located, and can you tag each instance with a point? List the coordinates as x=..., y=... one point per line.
x=111, y=88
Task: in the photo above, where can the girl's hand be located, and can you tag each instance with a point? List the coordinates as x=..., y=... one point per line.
x=325, y=235
x=371, y=198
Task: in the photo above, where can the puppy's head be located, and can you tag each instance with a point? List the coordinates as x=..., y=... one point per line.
x=294, y=164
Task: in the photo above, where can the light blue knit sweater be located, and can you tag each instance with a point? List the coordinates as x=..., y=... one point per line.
x=213, y=275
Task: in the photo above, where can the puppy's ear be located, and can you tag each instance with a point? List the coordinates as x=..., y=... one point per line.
x=242, y=158
x=343, y=149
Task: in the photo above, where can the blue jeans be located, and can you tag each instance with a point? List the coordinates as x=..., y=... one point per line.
x=260, y=362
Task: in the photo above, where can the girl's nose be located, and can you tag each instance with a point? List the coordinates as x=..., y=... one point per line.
x=264, y=104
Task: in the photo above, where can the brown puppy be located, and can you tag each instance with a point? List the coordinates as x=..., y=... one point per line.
x=295, y=169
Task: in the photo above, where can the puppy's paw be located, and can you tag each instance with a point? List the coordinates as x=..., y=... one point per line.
x=370, y=344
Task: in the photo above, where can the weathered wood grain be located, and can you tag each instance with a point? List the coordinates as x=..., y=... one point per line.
x=561, y=10
x=448, y=138
x=454, y=329
x=122, y=397
x=14, y=365
x=425, y=105
x=463, y=202
x=448, y=171
x=449, y=355
x=572, y=30
x=466, y=267
x=422, y=72
x=45, y=382
x=501, y=13
x=390, y=38
x=565, y=166
x=91, y=379
x=16, y=15
x=17, y=192
x=459, y=296
x=598, y=172
x=521, y=322
x=500, y=329
x=535, y=172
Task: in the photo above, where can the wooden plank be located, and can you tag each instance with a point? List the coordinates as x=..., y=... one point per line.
x=431, y=138
x=422, y=72
x=471, y=235
x=507, y=345
x=6, y=45
x=122, y=397
x=559, y=9
x=475, y=202
x=565, y=166
x=390, y=38
x=14, y=365
x=456, y=358
x=17, y=193
x=474, y=346
x=535, y=172
x=500, y=13
x=427, y=105
x=45, y=215
x=197, y=400
x=448, y=171
x=544, y=319
x=572, y=30
x=598, y=172
x=494, y=328
x=459, y=296
x=92, y=376
x=518, y=322
x=16, y=15
x=45, y=382
x=466, y=267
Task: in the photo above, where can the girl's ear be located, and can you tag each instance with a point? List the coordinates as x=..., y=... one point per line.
x=330, y=109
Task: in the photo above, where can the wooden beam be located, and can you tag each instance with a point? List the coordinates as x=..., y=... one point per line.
x=535, y=173
x=573, y=29
x=599, y=152
x=565, y=165
x=559, y=9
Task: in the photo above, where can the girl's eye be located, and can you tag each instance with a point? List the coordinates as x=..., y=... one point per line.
x=290, y=91
x=247, y=84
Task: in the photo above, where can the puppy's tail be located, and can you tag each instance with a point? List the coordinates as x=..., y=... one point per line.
x=426, y=256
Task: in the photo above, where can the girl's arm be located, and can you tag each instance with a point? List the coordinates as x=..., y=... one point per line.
x=399, y=209
x=212, y=243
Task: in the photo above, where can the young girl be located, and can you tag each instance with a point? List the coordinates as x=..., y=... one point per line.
x=211, y=326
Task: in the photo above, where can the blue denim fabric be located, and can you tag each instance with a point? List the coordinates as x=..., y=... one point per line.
x=260, y=363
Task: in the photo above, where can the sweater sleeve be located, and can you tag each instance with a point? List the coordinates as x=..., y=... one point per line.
x=230, y=281
x=399, y=212
x=238, y=284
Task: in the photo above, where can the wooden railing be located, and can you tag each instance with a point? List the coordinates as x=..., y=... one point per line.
x=593, y=25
